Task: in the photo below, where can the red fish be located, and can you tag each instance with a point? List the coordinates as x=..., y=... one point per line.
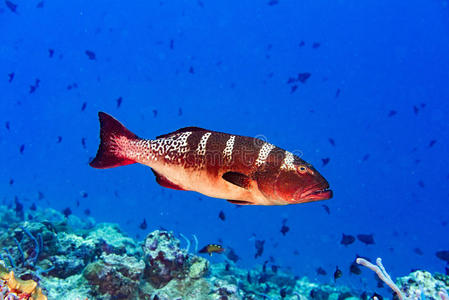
x=242, y=170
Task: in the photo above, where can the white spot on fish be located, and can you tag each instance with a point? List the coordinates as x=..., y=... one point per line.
x=263, y=153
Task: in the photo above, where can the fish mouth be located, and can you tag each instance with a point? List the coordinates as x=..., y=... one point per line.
x=315, y=194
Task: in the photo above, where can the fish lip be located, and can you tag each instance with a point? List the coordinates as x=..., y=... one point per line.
x=317, y=193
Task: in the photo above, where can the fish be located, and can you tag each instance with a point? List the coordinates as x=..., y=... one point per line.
x=242, y=170
x=259, y=248
x=91, y=55
x=443, y=255
x=325, y=161
x=67, y=212
x=143, y=225
x=337, y=93
x=347, y=239
x=355, y=269
x=51, y=52
x=367, y=239
x=331, y=141
x=12, y=6
x=326, y=208
x=392, y=113
x=212, y=248
x=337, y=274
x=119, y=101
x=83, y=107
x=316, y=45
x=302, y=44
x=10, y=76
x=284, y=228
x=321, y=271
x=40, y=4
x=222, y=216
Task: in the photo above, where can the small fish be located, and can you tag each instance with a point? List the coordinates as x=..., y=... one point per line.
x=154, y=113
x=331, y=141
x=355, y=269
x=91, y=55
x=12, y=7
x=302, y=44
x=222, y=216
x=212, y=248
x=172, y=44
x=273, y=2
x=347, y=239
x=325, y=161
x=443, y=255
x=284, y=228
x=337, y=93
x=87, y=212
x=367, y=239
x=7, y=126
x=432, y=143
x=191, y=70
x=274, y=268
x=83, y=142
x=421, y=184
x=243, y=170
x=259, y=244
x=326, y=208
x=51, y=52
x=119, y=102
x=33, y=207
x=180, y=112
x=21, y=149
x=40, y=196
x=283, y=293
x=365, y=157
x=10, y=76
x=11, y=181
x=302, y=77
x=418, y=251
x=59, y=139
x=392, y=113
x=84, y=194
x=40, y=4
x=337, y=274
x=321, y=271
x=316, y=45
x=293, y=88
x=415, y=109
x=231, y=255
x=143, y=225
x=67, y=212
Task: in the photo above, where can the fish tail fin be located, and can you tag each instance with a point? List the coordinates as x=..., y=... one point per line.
x=114, y=140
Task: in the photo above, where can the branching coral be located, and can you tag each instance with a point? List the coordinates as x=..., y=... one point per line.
x=379, y=269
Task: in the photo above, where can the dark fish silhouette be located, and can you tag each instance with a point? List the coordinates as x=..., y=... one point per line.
x=84, y=194
x=7, y=125
x=321, y=271
x=83, y=142
x=143, y=225
x=367, y=239
x=119, y=102
x=154, y=113
x=443, y=255
x=326, y=208
x=91, y=55
x=191, y=70
x=302, y=77
x=284, y=228
x=40, y=196
x=415, y=109
x=392, y=113
x=51, y=52
x=231, y=255
x=331, y=141
x=21, y=149
x=355, y=269
x=302, y=44
x=172, y=44
x=59, y=140
x=337, y=274
x=83, y=107
x=293, y=88
x=337, y=93
x=12, y=7
x=325, y=161
x=347, y=239
x=180, y=112
x=33, y=206
x=365, y=157
x=11, y=181
x=67, y=212
x=273, y=2
x=87, y=212
x=222, y=216
x=418, y=251
x=432, y=143
x=421, y=184
x=10, y=76
x=40, y=4
x=316, y=45
x=259, y=244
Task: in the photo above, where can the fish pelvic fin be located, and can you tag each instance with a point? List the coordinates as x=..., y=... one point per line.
x=114, y=139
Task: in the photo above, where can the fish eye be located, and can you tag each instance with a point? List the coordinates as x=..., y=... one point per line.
x=302, y=169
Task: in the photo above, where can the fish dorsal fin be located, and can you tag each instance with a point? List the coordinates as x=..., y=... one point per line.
x=238, y=179
x=239, y=202
x=181, y=130
x=163, y=181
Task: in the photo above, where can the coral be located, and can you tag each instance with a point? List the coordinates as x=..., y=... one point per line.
x=23, y=289
x=118, y=276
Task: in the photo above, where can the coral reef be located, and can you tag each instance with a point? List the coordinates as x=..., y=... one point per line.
x=44, y=252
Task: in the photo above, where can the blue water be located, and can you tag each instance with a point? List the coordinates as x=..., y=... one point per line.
x=227, y=70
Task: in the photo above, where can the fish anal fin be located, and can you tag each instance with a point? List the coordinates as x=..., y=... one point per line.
x=238, y=179
x=239, y=202
x=163, y=181
x=185, y=129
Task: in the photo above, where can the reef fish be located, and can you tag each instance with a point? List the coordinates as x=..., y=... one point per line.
x=212, y=248
x=242, y=170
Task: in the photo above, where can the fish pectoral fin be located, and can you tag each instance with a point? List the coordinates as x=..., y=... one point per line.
x=240, y=202
x=238, y=179
x=163, y=181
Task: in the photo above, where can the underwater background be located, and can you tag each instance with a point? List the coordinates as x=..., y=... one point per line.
x=372, y=118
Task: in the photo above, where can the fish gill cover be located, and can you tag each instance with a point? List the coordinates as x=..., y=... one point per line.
x=357, y=91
